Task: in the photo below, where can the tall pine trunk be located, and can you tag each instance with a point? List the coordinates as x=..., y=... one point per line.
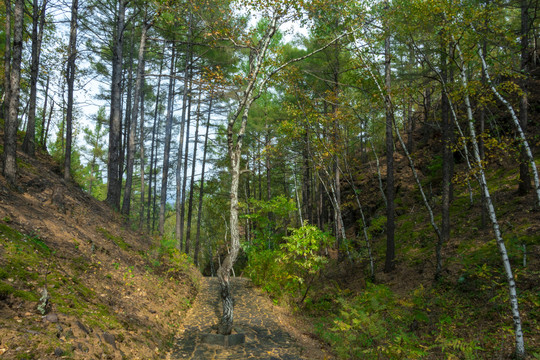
x=43, y=114
x=447, y=169
x=151, y=199
x=38, y=22
x=114, y=181
x=7, y=60
x=185, y=166
x=141, y=157
x=10, y=125
x=390, y=224
x=192, y=180
x=167, y=145
x=70, y=74
x=201, y=189
x=524, y=176
x=179, y=228
x=134, y=117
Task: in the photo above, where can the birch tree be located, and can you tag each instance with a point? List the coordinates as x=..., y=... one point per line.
x=518, y=332
x=517, y=124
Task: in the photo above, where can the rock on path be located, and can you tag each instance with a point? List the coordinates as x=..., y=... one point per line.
x=253, y=316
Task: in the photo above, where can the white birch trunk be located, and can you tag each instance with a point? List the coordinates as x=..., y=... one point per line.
x=520, y=345
x=517, y=124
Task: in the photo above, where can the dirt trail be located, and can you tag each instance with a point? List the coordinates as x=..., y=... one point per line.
x=255, y=316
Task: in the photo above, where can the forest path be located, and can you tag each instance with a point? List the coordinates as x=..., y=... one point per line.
x=254, y=316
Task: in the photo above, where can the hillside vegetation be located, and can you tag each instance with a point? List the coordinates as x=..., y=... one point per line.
x=406, y=314
x=112, y=293
x=372, y=165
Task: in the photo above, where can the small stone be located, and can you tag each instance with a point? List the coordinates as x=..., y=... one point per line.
x=58, y=352
x=109, y=338
x=53, y=318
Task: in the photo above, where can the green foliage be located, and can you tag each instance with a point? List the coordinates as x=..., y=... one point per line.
x=377, y=226
x=291, y=269
x=266, y=272
x=373, y=325
x=270, y=218
x=302, y=254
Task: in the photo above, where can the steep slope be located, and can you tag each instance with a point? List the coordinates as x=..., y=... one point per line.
x=405, y=313
x=113, y=293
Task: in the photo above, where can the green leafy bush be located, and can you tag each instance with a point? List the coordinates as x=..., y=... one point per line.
x=291, y=269
x=302, y=256
x=374, y=325
x=266, y=272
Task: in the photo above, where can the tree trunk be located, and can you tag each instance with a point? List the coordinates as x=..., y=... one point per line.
x=483, y=215
x=179, y=229
x=141, y=156
x=43, y=115
x=38, y=22
x=48, y=125
x=167, y=145
x=10, y=125
x=184, y=179
x=306, y=179
x=519, y=341
x=7, y=60
x=524, y=175
x=134, y=117
x=70, y=75
x=235, y=151
x=446, y=169
x=521, y=133
x=152, y=147
x=192, y=180
x=390, y=225
x=114, y=181
x=127, y=123
x=201, y=189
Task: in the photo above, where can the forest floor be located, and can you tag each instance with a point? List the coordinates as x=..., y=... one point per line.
x=113, y=293
x=270, y=332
